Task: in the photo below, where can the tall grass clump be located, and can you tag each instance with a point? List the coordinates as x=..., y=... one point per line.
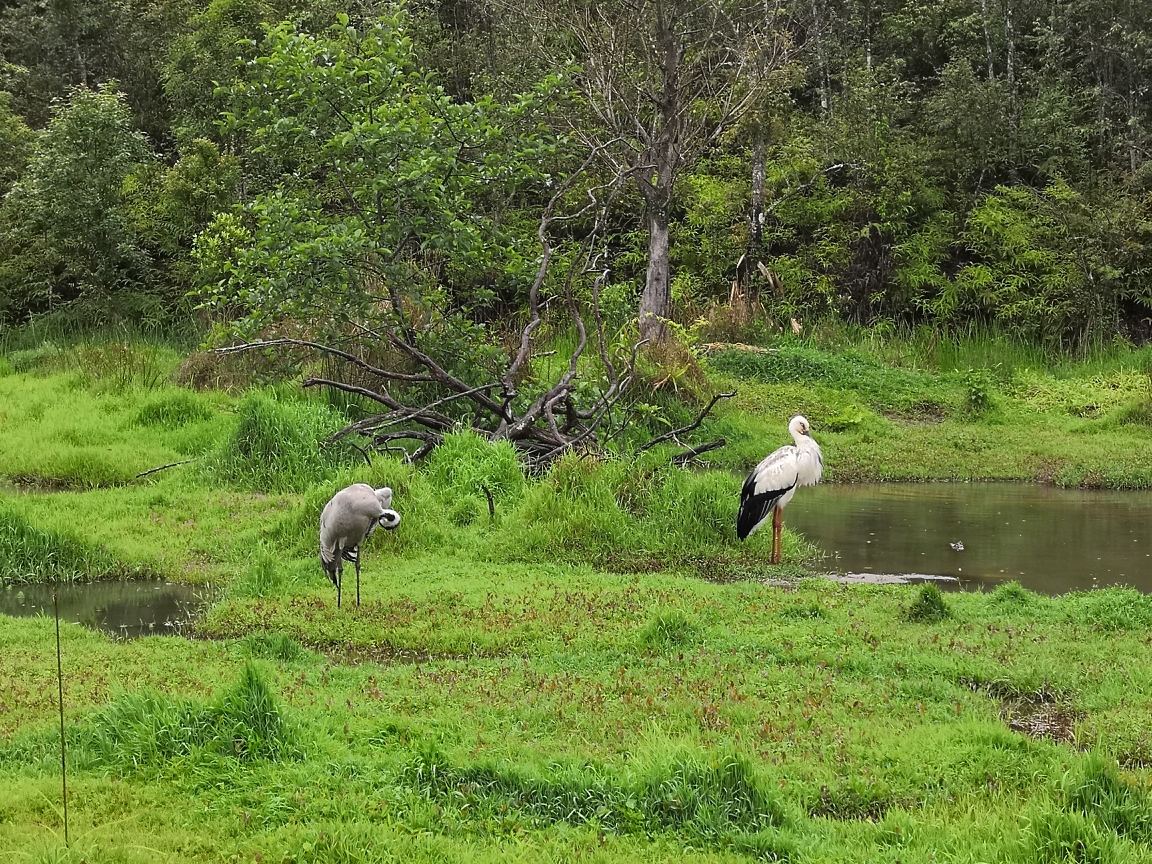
x=110, y=365
x=265, y=575
x=1096, y=790
x=146, y=730
x=1055, y=837
x=720, y=800
x=172, y=409
x=667, y=629
x=634, y=516
x=466, y=468
x=277, y=445
x=274, y=646
x=1110, y=609
x=31, y=554
x=928, y=607
x=571, y=514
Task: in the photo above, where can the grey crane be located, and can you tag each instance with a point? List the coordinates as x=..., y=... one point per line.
x=773, y=482
x=349, y=519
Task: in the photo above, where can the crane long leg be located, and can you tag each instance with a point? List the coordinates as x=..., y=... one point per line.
x=777, y=524
x=357, y=576
x=339, y=579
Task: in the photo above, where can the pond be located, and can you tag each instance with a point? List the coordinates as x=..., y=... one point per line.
x=123, y=609
x=1050, y=540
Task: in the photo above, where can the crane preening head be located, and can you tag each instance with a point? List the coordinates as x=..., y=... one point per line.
x=773, y=482
x=349, y=519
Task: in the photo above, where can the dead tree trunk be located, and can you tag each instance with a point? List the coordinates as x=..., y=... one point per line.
x=656, y=187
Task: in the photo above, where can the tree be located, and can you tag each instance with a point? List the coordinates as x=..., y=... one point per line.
x=16, y=141
x=59, y=44
x=370, y=246
x=71, y=237
x=171, y=205
x=663, y=80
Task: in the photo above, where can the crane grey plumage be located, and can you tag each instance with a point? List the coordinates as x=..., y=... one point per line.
x=349, y=519
x=773, y=482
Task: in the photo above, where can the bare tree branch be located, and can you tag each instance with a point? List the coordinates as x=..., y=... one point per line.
x=672, y=435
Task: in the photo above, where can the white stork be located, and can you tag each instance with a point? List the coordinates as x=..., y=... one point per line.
x=349, y=519
x=773, y=482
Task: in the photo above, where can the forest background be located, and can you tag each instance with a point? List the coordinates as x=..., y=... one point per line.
x=943, y=163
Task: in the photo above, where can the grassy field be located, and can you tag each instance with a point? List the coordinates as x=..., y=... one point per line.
x=599, y=671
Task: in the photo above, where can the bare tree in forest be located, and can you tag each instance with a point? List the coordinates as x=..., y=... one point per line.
x=662, y=81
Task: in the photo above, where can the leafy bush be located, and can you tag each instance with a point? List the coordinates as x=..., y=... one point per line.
x=977, y=391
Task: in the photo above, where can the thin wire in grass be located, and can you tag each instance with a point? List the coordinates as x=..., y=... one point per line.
x=60, y=703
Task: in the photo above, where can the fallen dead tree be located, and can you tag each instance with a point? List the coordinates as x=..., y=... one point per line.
x=423, y=394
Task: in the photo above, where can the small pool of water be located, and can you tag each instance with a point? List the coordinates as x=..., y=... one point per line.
x=1050, y=540
x=123, y=609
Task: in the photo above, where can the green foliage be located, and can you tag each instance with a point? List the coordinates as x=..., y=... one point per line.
x=374, y=180
x=70, y=238
x=1056, y=265
x=170, y=205
x=928, y=607
x=978, y=391
x=16, y=142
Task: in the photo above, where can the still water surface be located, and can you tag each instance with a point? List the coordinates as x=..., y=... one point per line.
x=1050, y=540
x=124, y=609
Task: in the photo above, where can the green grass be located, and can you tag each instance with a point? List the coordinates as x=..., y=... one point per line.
x=596, y=671
x=737, y=722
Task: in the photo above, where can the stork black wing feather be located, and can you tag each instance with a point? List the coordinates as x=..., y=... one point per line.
x=755, y=508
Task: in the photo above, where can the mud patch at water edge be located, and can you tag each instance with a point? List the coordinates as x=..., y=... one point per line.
x=874, y=579
x=126, y=610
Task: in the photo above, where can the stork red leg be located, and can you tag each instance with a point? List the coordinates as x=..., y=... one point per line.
x=777, y=524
